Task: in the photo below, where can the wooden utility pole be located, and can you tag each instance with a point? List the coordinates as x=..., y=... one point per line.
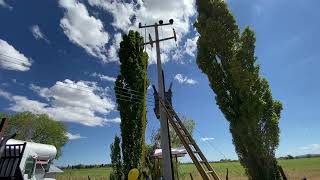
x=167, y=169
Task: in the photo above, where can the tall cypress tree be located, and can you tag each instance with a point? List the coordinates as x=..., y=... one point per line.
x=228, y=58
x=131, y=89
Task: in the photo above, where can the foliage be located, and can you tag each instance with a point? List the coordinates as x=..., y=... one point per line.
x=116, y=158
x=174, y=138
x=132, y=105
x=112, y=176
x=39, y=128
x=149, y=160
x=227, y=57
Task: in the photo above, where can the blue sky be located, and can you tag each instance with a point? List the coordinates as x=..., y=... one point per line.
x=60, y=58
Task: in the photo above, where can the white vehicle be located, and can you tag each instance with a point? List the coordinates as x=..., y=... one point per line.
x=36, y=162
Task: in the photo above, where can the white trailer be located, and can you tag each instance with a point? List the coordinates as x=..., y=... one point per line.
x=36, y=162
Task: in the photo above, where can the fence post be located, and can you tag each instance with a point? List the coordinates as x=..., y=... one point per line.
x=227, y=176
x=191, y=176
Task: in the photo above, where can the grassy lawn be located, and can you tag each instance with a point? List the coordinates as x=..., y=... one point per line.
x=295, y=169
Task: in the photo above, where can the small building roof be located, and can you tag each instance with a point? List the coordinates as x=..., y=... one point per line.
x=179, y=152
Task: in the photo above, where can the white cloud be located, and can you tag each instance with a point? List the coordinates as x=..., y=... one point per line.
x=84, y=30
x=5, y=94
x=79, y=94
x=80, y=102
x=310, y=149
x=191, y=46
x=104, y=77
x=115, y=120
x=122, y=12
x=12, y=59
x=113, y=49
x=74, y=136
x=38, y=34
x=22, y=104
x=4, y=4
x=184, y=79
x=207, y=138
x=127, y=15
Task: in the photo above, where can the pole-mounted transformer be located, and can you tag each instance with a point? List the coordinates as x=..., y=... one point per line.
x=168, y=98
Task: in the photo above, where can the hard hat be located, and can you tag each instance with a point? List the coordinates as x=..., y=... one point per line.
x=133, y=174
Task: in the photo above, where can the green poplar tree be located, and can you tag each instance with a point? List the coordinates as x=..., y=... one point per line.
x=174, y=138
x=228, y=58
x=131, y=89
x=116, y=159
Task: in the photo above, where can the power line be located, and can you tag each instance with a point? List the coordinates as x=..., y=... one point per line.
x=135, y=91
x=120, y=88
x=131, y=97
x=128, y=98
x=23, y=62
x=122, y=96
x=125, y=90
x=135, y=95
x=88, y=89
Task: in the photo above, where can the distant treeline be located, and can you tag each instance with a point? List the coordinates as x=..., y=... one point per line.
x=301, y=156
x=83, y=166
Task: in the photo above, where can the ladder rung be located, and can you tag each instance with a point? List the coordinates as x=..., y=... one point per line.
x=201, y=161
x=196, y=152
x=209, y=172
x=186, y=135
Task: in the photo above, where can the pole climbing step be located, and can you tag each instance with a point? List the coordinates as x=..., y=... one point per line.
x=198, y=158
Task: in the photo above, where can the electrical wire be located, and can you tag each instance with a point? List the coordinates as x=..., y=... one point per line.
x=131, y=101
x=129, y=98
x=87, y=89
x=137, y=93
x=133, y=95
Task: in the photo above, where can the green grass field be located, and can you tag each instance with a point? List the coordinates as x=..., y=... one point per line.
x=295, y=169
